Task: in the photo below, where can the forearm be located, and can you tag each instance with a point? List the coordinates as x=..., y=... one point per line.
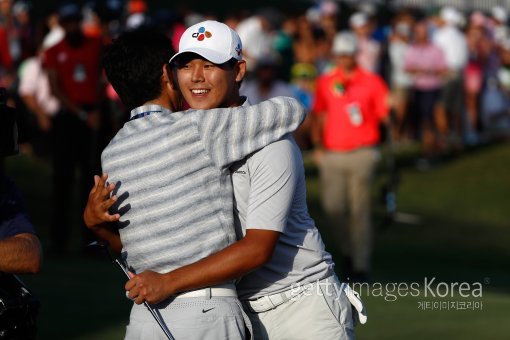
x=230, y=263
x=20, y=254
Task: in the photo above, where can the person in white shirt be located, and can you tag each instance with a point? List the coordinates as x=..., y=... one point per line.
x=452, y=41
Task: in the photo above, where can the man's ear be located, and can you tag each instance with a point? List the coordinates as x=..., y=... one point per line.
x=240, y=71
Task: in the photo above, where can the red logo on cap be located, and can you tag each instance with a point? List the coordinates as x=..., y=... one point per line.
x=201, y=34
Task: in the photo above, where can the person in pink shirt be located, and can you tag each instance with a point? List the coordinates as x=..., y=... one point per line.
x=427, y=64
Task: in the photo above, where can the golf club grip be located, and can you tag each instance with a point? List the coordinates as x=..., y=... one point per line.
x=151, y=310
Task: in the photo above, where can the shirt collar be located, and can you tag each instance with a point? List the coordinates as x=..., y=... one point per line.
x=149, y=108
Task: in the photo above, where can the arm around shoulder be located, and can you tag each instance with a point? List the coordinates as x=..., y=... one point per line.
x=229, y=135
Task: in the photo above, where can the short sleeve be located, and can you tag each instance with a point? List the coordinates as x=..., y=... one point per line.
x=273, y=179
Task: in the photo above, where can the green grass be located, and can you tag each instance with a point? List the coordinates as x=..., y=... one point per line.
x=464, y=206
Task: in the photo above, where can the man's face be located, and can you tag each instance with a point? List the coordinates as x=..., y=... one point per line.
x=346, y=61
x=205, y=85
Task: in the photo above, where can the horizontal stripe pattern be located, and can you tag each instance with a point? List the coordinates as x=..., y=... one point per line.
x=171, y=170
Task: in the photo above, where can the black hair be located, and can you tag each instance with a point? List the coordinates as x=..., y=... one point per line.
x=133, y=65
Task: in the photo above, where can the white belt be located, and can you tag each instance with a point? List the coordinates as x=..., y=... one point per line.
x=268, y=302
x=224, y=290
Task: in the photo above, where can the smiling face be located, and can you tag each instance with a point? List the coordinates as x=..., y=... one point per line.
x=205, y=85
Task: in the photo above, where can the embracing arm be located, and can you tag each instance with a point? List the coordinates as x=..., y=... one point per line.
x=97, y=217
x=238, y=259
x=231, y=134
x=20, y=254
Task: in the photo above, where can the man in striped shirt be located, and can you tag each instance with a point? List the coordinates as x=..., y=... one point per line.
x=172, y=180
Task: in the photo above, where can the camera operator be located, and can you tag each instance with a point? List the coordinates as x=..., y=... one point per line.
x=20, y=249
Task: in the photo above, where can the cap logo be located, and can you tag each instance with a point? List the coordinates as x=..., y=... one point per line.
x=238, y=50
x=201, y=34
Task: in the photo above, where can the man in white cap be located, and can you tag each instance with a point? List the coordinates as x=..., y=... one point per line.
x=350, y=103
x=289, y=288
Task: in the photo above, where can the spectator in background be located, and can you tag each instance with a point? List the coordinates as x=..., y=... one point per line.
x=303, y=88
x=303, y=83
x=304, y=45
x=266, y=83
x=24, y=32
x=479, y=46
x=400, y=79
x=369, y=50
x=328, y=19
x=74, y=72
x=257, y=33
x=498, y=24
x=452, y=42
x=322, y=20
x=496, y=98
x=427, y=65
x=34, y=91
x=283, y=45
x=350, y=103
x=55, y=31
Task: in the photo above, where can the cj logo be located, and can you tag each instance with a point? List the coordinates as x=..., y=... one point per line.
x=238, y=49
x=202, y=34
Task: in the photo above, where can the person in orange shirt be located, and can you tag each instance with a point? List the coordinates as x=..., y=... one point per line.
x=349, y=105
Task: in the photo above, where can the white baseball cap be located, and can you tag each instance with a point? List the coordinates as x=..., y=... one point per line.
x=358, y=19
x=499, y=13
x=212, y=40
x=344, y=43
x=451, y=16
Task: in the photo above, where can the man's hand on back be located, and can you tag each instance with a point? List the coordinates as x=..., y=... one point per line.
x=96, y=212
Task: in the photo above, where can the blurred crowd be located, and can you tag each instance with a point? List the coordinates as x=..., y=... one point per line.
x=454, y=96
x=448, y=72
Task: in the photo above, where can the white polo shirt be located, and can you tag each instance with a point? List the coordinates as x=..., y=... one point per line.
x=270, y=193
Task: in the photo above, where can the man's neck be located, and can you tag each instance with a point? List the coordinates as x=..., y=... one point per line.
x=163, y=102
x=348, y=72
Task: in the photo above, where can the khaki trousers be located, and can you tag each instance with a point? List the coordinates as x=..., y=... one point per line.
x=346, y=180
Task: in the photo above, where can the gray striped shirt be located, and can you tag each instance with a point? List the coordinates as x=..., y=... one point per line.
x=174, y=185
